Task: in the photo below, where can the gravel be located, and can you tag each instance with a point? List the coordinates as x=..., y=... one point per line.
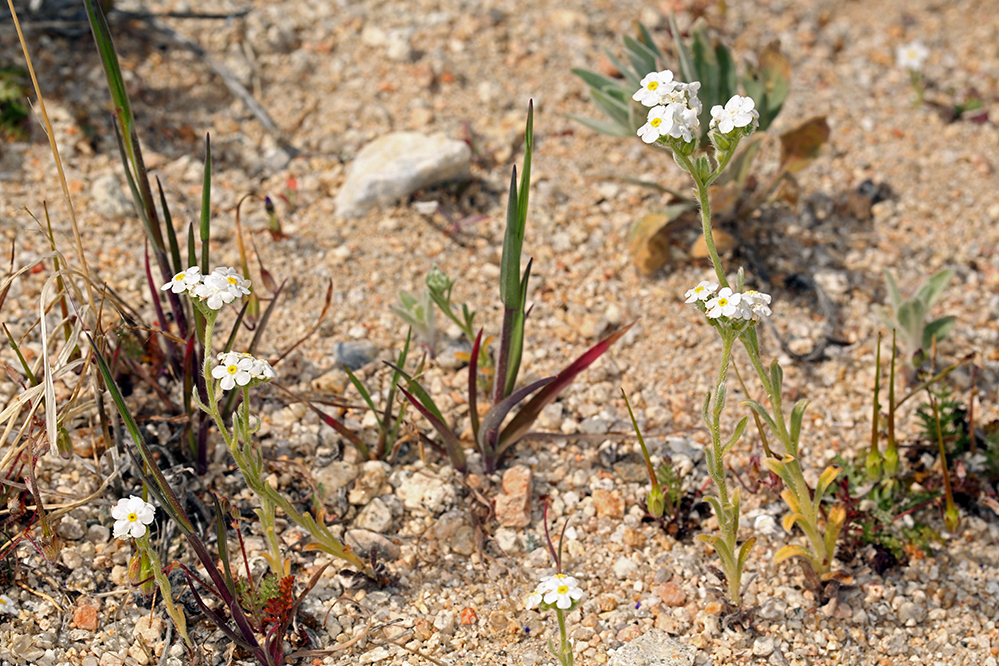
x=338, y=76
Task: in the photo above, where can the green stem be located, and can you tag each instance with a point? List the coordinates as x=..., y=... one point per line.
x=565, y=648
x=176, y=614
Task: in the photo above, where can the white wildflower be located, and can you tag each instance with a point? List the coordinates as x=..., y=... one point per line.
x=562, y=591
x=7, y=605
x=131, y=515
x=758, y=304
x=701, y=292
x=239, y=369
x=912, y=56
x=658, y=124
x=725, y=304
x=654, y=86
x=737, y=112
x=183, y=281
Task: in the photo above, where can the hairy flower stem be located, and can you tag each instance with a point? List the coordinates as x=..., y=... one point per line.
x=251, y=464
x=564, y=654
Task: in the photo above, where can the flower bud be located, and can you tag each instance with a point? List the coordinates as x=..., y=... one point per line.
x=655, y=502
x=874, y=465
x=952, y=520
x=891, y=461
x=437, y=280
x=140, y=574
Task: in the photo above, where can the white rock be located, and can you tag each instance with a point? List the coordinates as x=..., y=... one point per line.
x=654, y=648
x=427, y=493
x=395, y=165
x=624, y=567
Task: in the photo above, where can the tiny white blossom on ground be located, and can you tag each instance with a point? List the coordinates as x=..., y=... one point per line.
x=183, y=281
x=912, y=56
x=737, y=112
x=725, y=304
x=654, y=86
x=7, y=605
x=534, y=599
x=131, y=515
x=562, y=591
x=657, y=124
x=239, y=369
x=701, y=292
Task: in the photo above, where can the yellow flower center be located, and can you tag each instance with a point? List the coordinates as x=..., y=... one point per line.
x=656, y=122
x=232, y=280
x=722, y=302
x=232, y=369
x=653, y=85
x=132, y=517
x=178, y=277
x=562, y=589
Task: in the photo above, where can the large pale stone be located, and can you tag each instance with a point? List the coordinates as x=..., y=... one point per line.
x=397, y=164
x=654, y=648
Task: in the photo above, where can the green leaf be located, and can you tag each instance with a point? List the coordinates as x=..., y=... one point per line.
x=796, y=416
x=649, y=42
x=744, y=552
x=206, y=207
x=775, y=75
x=764, y=414
x=618, y=110
x=739, y=429
x=363, y=391
x=687, y=69
x=425, y=405
x=893, y=293
x=776, y=378
x=520, y=423
x=643, y=59
x=931, y=291
x=517, y=334
x=594, y=79
x=603, y=126
x=631, y=77
x=939, y=328
x=489, y=431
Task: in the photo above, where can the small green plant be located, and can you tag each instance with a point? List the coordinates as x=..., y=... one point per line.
x=735, y=313
x=715, y=80
x=909, y=316
x=492, y=438
x=560, y=593
x=14, y=110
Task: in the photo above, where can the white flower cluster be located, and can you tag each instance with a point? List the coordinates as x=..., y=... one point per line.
x=675, y=108
x=726, y=303
x=558, y=591
x=131, y=515
x=912, y=56
x=738, y=112
x=223, y=286
x=239, y=369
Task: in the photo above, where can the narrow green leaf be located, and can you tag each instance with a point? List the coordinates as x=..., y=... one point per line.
x=796, y=417
x=930, y=292
x=489, y=432
x=777, y=378
x=520, y=423
x=595, y=80
x=739, y=429
x=631, y=77
x=894, y=295
x=363, y=391
x=473, y=385
x=617, y=110
x=763, y=413
x=938, y=328
x=430, y=412
x=517, y=334
x=603, y=126
x=650, y=43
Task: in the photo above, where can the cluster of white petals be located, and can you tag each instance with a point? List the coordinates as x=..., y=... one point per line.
x=222, y=286
x=239, y=369
x=131, y=515
x=912, y=56
x=560, y=591
x=738, y=112
x=749, y=304
x=675, y=108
